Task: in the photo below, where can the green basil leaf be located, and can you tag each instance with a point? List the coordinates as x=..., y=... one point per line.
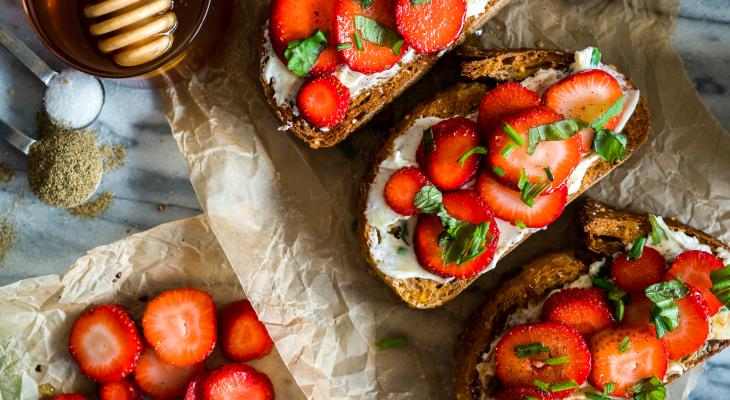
x=428, y=200
x=608, y=389
x=344, y=46
x=649, y=389
x=471, y=152
x=392, y=343
x=498, y=171
x=611, y=146
x=530, y=349
x=429, y=144
x=417, y=2
x=595, y=57
x=625, y=344
x=595, y=396
x=512, y=133
x=302, y=55
x=397, y=46
x=561, y=386
x=721, y=284
x=549, y=174
x=375, y=32
x=530, y=191
x=637, y=249
x=558, y=360
x=364, y=4
x=464, y=242
x=359, y=45
x=544, y=386
x=612, y=111
x=658, y=233
x=616, y=296
x=555, y=131
x=665, y=313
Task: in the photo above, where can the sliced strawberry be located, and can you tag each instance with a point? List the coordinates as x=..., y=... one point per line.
x=465, y=206
x=122, y=390
x=693, y=267
x=636, y=275
x=162, y=380
x=585, y=95
x=430, y=26
x=292, y=20
x=401, y=190
x=524, y=392
x=196, y=389
x=452, y=138
x=181, y=326
x=585, y=309
x=243, y=336
x=372, y=57
x=558, y=340
x=507, y=204
x=238, y=381
x=105, y=343
x=69, y=396
x=561, y=156
x=323, y=101
x=693, y=328
x=503, y=99
x=624, y=355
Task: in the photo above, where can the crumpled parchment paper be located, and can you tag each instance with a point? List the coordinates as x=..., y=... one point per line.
x=36, y=314
x=283, y=213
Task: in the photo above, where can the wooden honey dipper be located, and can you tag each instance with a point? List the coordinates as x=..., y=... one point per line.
x=136, y=35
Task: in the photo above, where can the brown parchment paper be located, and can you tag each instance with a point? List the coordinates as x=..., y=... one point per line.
x=283, y=213
x=36, y=314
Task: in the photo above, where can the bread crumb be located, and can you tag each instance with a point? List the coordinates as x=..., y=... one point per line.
x=161, y=208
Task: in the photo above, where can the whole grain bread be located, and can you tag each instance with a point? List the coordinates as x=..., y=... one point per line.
x=463, y=99
x=607, y=231
x=369, y=102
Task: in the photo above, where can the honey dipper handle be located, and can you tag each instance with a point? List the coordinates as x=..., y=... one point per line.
x=26, y=56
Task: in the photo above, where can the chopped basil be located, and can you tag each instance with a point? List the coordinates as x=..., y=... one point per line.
x=401, y=232
x=649, y=389
x=512, y=133
x=721, y=284
x=397, y=46
x=561, y=386
x=365, y=3
x=358, y=41
x=531, y=398
x=607, y=390
x=428, y=200
x=658, y=233
x=375, y=32
x=302, y=54
x=344, y=46
x=625, y=344
x=555, y=131
x=471, y=152
x=508, y=149
x=612, y=111
x=401, y=251
x=637, y=249
x=544, y=386
x=611, y=146
x=595, y=57
x=595, y=396
x=665, y=313
x=392, y=343
x=531, y=349
x=549, y=174
x=530, y=191
x=520, y=224
x=417, y=2
x=498, y=171
x=616, y=296
x=557, y=360
x=429, y=144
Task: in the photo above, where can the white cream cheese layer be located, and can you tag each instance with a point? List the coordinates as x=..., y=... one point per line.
x=398, y=260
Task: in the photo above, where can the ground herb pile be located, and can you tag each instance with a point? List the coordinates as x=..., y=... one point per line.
x=94, y=207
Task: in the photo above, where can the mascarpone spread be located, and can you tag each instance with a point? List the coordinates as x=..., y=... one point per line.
x=395, y=257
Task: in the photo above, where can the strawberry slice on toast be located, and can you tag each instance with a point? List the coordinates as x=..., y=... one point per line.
x=122, y=390
x=358, y=24
x=292, y=20
x=401, y=190
x=430, y=26
x=693, y=267
x=505, y=98
x=585, y=309
x=180, y=325
x=243, y=336
x=693, y=328
x=636, y=275
x=442, y=147
x=238, y=381
x=323, y=101
x=161, y=380
x=508, y=150
x=105, y=343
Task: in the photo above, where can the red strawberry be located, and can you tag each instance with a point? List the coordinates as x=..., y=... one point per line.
x=524, y=392
x=195, y=390
x=162, y=380
x=297, y=19
x=585, y=309
x=451, y=139
x=636, y=275
x=180, y=325
x=105, y=343
x=401, y=190
x=243, y=336
x=507, y=204
x=323, y=101
x=559, y=339
x=644, y=356
x=561, y=157
x=238, y=381
x=637, y=311
x=693, y=268
x=122, y=390
x=372, y=57
x=585, y=95
x=465, y=206
x=430, y=26
x=503, y=99
x=69, y=396
x=693, y=327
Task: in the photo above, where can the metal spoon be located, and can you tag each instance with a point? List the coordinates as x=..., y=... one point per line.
x=48, y=76
x=16, y=138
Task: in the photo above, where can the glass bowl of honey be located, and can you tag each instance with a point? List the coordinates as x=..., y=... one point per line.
x=131, y=38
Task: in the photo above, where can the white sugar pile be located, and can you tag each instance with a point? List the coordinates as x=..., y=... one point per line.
x=74, y=99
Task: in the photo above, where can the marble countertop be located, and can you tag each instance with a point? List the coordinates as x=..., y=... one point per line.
x=154, y=173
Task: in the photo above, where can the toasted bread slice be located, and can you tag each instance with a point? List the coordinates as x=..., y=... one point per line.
x=463, y=99
x=607, y=231
x=370, y=101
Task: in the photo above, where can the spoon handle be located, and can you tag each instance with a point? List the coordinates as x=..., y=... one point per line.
x=26, y=56
x=15, y=137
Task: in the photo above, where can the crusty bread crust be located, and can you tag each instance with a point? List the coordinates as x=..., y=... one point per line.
x=369, y=102
x=607, y=231
x=463, y=99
